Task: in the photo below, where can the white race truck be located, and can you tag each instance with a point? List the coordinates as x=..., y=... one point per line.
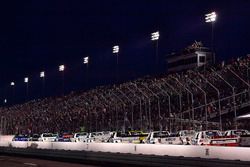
x=99, y=137
x=237, y=133
x=80, y=137
x=241, y=135
x=182, y=137
x=128, y=137
x=214, y=138
x=244, y=140
x=48, y=137
x=157, y=137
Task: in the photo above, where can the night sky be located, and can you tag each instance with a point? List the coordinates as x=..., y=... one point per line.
x=40, y=35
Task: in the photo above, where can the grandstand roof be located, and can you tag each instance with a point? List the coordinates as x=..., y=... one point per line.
x=246, y=116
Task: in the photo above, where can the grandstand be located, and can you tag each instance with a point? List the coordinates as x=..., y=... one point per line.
x=209, y=98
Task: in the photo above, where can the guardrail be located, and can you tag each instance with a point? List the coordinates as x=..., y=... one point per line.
x=208, y=152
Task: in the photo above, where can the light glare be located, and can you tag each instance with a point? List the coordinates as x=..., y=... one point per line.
x=210, y=17
x=42, y=74
x=116, y=49
x=61, y=67
x=26, y=79
x=85, y=60
x=155, y=36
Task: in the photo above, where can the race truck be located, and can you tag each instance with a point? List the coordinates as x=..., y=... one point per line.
x=48, y=137
x=236, y=133
x=99, y=137
x=80, y=137
x=34, y=137
x=20, y=137
x=64, y=137
x=186, y=136
x=241, y=135
x=213, y=138
x=244, y=140
x=182, y=137
x=128, y=137
x=157, y=137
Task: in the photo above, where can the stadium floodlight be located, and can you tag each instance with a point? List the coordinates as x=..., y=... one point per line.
x=210, y=17
x=116, y=49
x=61, y=67
x=86, y=60
x=42, y=74
x=26, y=79
x=155, y=36
x=12, y=83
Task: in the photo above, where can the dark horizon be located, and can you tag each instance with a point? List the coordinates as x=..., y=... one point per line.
x=41, y=35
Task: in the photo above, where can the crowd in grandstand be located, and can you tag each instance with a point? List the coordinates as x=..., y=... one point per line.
x=210, y=97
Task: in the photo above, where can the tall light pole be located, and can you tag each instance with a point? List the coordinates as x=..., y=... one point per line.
x=26, y=80
x=155, y=37
x=42, y=75
x=61, y=69
x=86, y=61
x=116, y=49
x=12, y=84
x=211, y=18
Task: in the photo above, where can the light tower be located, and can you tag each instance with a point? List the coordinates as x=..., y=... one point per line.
x=12, y=84
x=155, y=38
x=86, y=62
x=61, y=69
x=211, y=18
x=116, y=50
x=26, y=80
x=42, y=76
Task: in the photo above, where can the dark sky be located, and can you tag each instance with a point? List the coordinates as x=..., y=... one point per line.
x=40, y=35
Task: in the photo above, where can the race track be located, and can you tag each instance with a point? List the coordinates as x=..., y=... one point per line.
x=11, y=161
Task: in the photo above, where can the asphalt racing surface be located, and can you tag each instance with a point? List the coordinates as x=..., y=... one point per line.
x=11, y=161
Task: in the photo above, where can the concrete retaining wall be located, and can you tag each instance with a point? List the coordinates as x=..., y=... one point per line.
x=226, y=153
